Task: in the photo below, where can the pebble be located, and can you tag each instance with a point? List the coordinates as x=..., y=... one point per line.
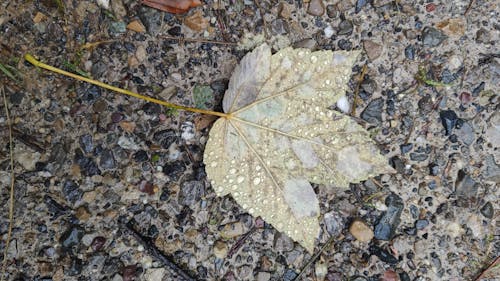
x=448, y=120
x=492, y=170
x=425, y=104
x=289, y=275
x=483, y=36
x=308, y=43
x=107, y=160
x=329, y=31
x=152, y=19
x=361, y=231
x=191, y=192
x=373, y=111
x=187, y=131
x=465, y=186
x=432, y=37
x=141, y=156
x=175, y=31
x=410, y=52
x=233, y=229
x=98, y=243
x=117, y=28
x=465, y=132
x=71, y=191
x=345, y=44
x=421, y=224
x=282, y=243
x=75, y=267
x=383, y=255
x=263, y=276
x=390, y=275
x=165, y=137
x=71, y=237
x=333, y=222
x=389, y=221
x=487, y=210
x=316, y=8
x=359, y=5
x=331, y=11
x=345, y=28
x=220, y=250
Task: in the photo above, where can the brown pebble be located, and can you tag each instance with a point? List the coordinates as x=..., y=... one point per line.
x=316, y=8
x=361, y=231
x=136, y=26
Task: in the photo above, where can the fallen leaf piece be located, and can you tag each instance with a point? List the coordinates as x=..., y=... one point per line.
x=196, y=21
x=280, y=136
x=172, y=6
x=136, y=26
x=203, y=121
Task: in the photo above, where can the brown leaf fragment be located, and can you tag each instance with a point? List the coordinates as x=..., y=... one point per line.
x=39, y=17
x=137, y=26
x=172, y=6
x=203, y=121
x=196, y=21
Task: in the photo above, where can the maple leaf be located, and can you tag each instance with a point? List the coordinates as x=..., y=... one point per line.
x=278, y=136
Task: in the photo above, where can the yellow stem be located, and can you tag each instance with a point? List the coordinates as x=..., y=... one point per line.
x=37, y=63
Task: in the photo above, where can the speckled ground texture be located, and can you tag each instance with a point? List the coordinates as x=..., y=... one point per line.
x=93, y=167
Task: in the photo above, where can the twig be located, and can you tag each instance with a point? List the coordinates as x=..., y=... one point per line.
x=155, y=252
x=492, y=265
x=314, y=258
x=356, y=92
x=11, y=202
x=195, y=40
x=240, y=242
x=471, y=3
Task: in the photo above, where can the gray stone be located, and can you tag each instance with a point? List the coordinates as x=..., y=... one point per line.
x=432, y=37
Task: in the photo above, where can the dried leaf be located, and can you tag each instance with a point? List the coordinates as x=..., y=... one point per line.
x=172, y=6
x=280, y=136
x=136, y=26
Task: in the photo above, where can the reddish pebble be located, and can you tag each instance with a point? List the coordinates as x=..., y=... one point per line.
x=129, y=273
x=430, y=7
x=465, y=97
x=98, y=243
x=147, y=187
x=390, y=275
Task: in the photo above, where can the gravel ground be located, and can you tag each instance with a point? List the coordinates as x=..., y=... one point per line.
x=113, y=188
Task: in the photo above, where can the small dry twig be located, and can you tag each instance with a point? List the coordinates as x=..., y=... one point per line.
x=494, y=264
x=11, y=202
x=356, y=92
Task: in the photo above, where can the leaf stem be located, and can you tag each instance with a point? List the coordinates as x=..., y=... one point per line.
x=37, y=63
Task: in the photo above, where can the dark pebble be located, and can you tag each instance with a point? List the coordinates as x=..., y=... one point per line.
x=202, y=272
x=405, y=148
x=71, y=191
x=107, y=160
x=373, y=111
x=397, y=164
x=116, y=117
x=389, y=221
x=345, y=44
x=487, y=210
x=151, y=108
x=403, y=276
x=88, y=167
x=449, y=120
x=383, y=255
x=447, y=77
x=97, y=243
x=390, y=107
x=412, y=231
x=111, y=266
x=16, y=98
x=141, y=156
x=129, y=47
x=165, y=137
x=54, y=208
x=175, y=31
x=165, y=195
x=174, y=170
x=71, y=237
x=191, y=192
x=432, y=37
x=49, y=117
x=410, y=52
x=86, y=143
x=418, y=157
x=219, y=86
x=75, y=267
x=129, y=272
x=465, y=186
x=152, y=20
x=98, y=68
x=359, y=5
x=369, y=86
x=421, y=224
x=147, y=187
x=345, y=28
x=279, y=26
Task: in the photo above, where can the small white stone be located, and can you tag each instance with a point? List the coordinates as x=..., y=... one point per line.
x=329, y=31
x=343, y=104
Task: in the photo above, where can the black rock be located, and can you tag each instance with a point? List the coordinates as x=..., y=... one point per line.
x=191, y=192
x=141, y=156
x=373, y=111
x=174, y=170
x=107, y=160
x=410, y=52
x=175, y=31
x=433, y=169
x=418, y=157
x=432, y=37
x=345, y=44
x=49, y=116
x=487, y=210
x=389, y=221
x=86, y=143
x=71, y=237
x=165, y=137
x=383, y=255
x=448, y=119
x=54, y=208
x=397, y=164
x=88, y=167
x=71, y=191
x=403, y=276
x=151, y=108
x=16, y=98
x=153, y=231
